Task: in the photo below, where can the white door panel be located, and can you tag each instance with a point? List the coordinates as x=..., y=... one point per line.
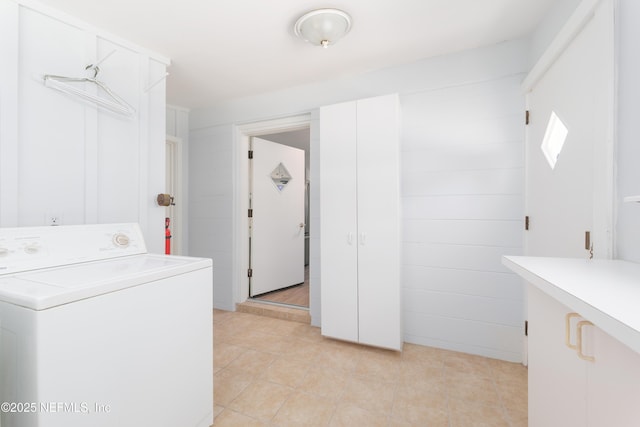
x=338, y=211
x=277, y=234
x=378, y=222
x=561, y=202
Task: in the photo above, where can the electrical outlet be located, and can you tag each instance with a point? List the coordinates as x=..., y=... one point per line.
x=53, y=219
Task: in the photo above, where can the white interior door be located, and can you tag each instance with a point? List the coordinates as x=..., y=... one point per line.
x=565, y=201
x=277, y=225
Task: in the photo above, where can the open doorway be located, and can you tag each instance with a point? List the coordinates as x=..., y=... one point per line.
x=279, y=177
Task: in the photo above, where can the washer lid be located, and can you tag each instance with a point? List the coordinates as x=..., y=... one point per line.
x=42, y=289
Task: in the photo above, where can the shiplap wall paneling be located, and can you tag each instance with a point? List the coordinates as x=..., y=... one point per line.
x=211, y=221
x=462, y=183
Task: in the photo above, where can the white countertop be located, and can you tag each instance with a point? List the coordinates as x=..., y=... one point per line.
x=606, y=292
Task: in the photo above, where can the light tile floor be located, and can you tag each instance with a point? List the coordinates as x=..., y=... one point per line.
x=272, y=372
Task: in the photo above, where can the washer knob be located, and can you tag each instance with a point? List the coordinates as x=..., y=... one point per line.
x=121, y=240
x=32, y=248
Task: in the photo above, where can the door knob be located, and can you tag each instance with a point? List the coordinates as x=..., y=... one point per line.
x=165, y=200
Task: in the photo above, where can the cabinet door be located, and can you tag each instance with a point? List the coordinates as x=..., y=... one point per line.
x=613, y=383
x=338, y=222
x=557, y=377
x=378, y=222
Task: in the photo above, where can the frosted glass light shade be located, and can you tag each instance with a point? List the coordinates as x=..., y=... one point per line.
x=323, y=27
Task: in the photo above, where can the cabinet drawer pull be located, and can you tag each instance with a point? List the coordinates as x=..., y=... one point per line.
x=567, y=334
x=581, y=355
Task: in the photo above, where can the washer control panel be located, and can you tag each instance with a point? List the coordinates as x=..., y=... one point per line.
x=31, y=248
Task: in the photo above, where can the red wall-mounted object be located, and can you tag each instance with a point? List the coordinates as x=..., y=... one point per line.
x=167, y=237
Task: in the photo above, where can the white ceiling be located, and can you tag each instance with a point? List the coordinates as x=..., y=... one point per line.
x=223, y=49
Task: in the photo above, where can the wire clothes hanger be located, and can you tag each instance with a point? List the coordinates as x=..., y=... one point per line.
x=112, y=102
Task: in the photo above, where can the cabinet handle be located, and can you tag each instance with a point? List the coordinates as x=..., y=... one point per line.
x=363, y=237
x=581, y=355
x=349, y=238
x=567, y=333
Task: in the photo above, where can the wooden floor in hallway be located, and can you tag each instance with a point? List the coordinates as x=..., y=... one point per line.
x=297, y=295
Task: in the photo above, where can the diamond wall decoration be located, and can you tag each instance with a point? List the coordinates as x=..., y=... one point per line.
x=280, y=177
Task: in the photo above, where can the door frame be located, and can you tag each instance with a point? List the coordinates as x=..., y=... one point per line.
x=242, y=135
x=177, y=226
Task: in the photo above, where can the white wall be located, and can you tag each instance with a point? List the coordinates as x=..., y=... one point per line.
x=314, y=219
x=628, y=155
x=462, y=199
x=488, y=63
x=549, y=27
x=177, y=122
x=211, y=209
x=463, y=134
x=60, y=156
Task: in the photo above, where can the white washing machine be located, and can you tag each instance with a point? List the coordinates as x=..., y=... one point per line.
x=97, y=332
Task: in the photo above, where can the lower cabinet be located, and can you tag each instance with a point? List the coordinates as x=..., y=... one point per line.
x=578, y=375
x=613, y=384
x=557, y=377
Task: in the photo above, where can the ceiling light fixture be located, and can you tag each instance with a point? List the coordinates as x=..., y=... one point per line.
x=323, y=27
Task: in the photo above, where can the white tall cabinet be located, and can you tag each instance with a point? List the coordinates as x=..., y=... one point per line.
x=359, y=221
